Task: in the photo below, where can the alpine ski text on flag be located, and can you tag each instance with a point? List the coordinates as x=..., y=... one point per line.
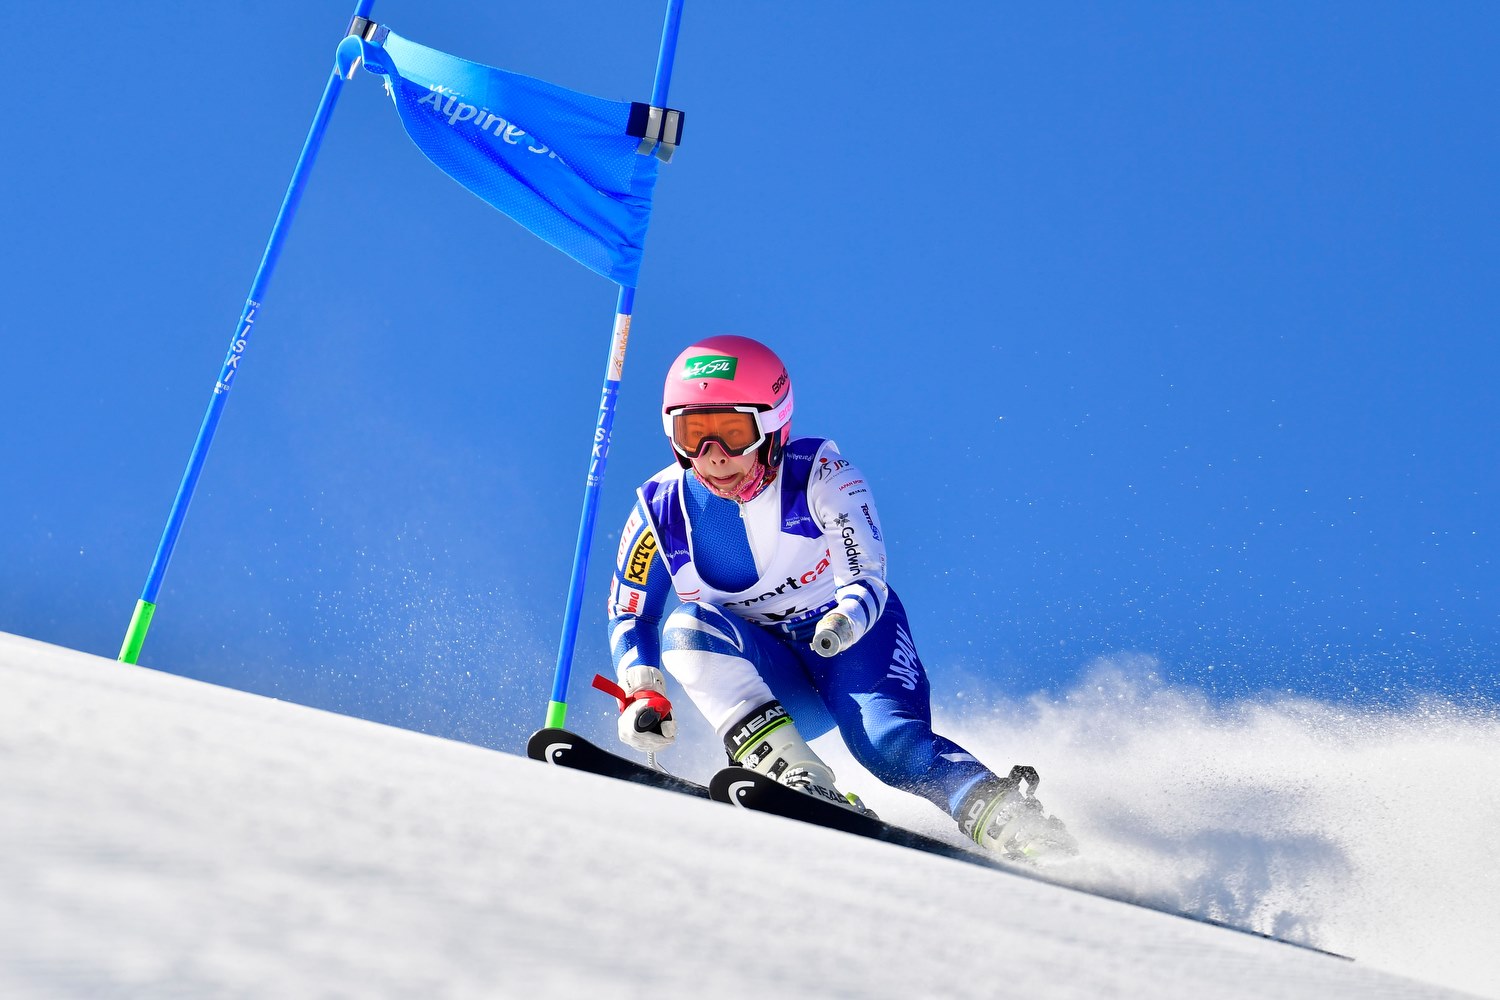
x=560, y=163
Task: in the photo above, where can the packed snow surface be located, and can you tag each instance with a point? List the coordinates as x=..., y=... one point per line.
x=162, y=837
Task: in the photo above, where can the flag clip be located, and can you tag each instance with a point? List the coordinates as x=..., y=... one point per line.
x=368, y=30
x=659, y=129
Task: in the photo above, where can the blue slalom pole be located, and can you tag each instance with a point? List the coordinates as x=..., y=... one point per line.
x=557, y=708
x=145, y=608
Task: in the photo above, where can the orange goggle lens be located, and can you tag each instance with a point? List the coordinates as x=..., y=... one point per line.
x=736, y=431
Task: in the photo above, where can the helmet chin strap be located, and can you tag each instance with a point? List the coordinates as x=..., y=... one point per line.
x=756, y=480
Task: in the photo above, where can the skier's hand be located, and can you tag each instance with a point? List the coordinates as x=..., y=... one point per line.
x=646, y=721
x=835, y=634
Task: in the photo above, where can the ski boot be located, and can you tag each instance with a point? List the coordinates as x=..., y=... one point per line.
x=766, y=741
x=1005, y=816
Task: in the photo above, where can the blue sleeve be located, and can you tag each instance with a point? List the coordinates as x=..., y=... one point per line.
x=637, y=596
x=840, y=500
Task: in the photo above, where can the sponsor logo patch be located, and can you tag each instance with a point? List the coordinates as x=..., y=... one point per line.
x=851, y=544
x=709, y=366
x=625, y=600
x=827, y=468
x=827, y=793
x=632, y=525
x=638, y=563
x=763, y=720
x=791, y=582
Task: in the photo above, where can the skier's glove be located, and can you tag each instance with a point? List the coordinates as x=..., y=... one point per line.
x=834, y=635
x=646, y=721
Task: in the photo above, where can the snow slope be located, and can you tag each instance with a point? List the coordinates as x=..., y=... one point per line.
x=163, y=837
x=1366, y=831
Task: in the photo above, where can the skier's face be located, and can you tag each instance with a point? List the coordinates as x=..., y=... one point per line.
x=724, y=474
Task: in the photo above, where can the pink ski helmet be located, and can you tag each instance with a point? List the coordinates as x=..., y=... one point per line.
x=717, y=378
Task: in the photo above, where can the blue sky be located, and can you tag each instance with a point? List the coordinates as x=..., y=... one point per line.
x=1165, y=330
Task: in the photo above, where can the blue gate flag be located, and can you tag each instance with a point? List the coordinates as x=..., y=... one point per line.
x=560, y=163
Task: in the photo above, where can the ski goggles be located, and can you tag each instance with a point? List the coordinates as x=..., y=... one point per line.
x=735, y=429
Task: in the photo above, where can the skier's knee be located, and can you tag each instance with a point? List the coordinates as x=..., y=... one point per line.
x=700, y=627
x=705, y=650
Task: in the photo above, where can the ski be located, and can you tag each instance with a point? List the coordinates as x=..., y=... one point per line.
x=740, y=786
x=565, y=749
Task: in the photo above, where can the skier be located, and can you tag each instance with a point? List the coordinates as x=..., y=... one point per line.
x=787, y=627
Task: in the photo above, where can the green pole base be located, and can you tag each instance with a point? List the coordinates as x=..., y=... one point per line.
x=557, y=714
x=135, y=636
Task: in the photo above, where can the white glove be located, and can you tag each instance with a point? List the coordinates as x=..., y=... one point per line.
x=646, y=721
x=834, y=635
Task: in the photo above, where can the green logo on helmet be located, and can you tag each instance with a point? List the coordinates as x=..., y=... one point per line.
x=709, y=366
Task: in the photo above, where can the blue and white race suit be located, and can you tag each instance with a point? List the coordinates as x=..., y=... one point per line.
x=754, y=579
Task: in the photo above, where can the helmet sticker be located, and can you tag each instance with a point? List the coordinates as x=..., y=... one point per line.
x=709, y=366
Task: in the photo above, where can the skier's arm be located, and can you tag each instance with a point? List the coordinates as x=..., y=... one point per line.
x=841, y=502
x=637, y=597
